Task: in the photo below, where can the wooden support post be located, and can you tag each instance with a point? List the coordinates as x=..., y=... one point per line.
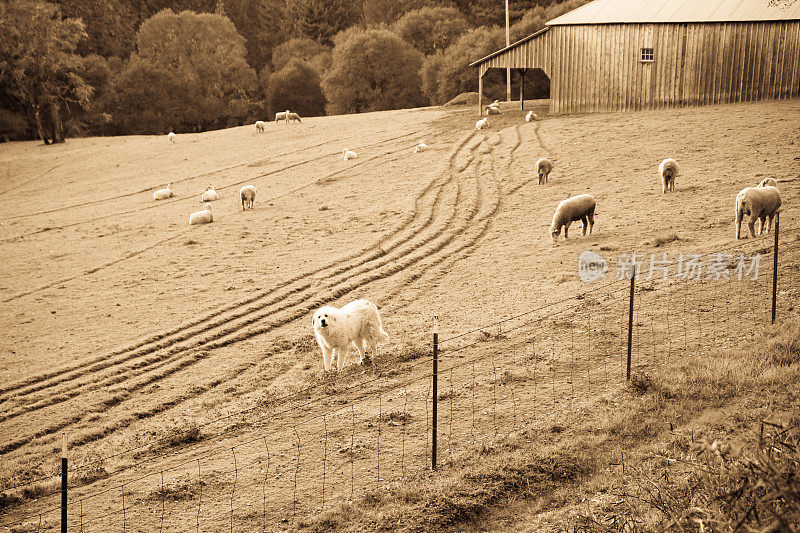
x=480, y=91
x=522, y=88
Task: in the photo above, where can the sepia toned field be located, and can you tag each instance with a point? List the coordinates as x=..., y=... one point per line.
x=154, y=344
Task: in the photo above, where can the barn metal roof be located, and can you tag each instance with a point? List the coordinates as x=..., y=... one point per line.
x=644, y=11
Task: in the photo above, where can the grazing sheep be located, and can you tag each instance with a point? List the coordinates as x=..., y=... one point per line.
x=421, y=147
x=768, y=182
x=531, y=116
x=203, y=216
x=668, y=169
x=492, y=110
x=761, y=203
x=163, y=194
x=292, y=116
x=260, y=126
x=543, y=168
x=282, y=115
x=171, y=136
x=481, y=123
x=248, y=195
x=579, y=207
x=349, y=154
x=209, y=195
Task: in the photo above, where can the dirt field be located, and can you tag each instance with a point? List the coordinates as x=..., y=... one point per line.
x=128, y=329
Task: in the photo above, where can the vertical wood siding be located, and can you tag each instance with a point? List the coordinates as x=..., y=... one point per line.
x=597, y=67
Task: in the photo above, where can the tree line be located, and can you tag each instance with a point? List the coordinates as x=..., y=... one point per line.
x=82, y=67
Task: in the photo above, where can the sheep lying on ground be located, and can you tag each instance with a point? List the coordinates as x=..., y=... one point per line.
x=531, y=116
x=668, y=169
x=492, y=110
x=260, y=126
x=282, y=115
x=203, y=216
x=768, y=182
x=421, y=147
x=248, y=195
x=579, y=207
x=292, y=116
x=163, y=194
x=481, y=123
x=349, y=154
x=543, y=168
x=761, y=203
x=209, y=195
x=171, y=136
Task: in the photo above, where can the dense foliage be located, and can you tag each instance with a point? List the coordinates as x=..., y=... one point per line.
x=148, y=66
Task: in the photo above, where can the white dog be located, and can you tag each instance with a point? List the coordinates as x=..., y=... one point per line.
x=338, y=329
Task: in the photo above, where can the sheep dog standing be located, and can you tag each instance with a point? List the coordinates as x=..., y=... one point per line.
x=338, y=329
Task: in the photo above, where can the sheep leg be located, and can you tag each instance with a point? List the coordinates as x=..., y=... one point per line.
x=585, y=222
x=566, y=228
x=751, y=225
x=770, y=218
x=591, y=222
x=664, y=185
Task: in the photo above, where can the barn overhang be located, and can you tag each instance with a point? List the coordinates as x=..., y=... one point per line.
x=527, y=53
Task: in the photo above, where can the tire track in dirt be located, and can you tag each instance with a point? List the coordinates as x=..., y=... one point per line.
x=234, y=184
x=230, y=335
x=436, y=268
x=365, y=255
x=254, y=163
x=131, y=255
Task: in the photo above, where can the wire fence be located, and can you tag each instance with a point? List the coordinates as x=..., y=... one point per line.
x=275, y=467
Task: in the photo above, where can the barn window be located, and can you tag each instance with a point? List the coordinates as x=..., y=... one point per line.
x=647, y=55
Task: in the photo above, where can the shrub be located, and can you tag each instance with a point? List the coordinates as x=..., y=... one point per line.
x=297, y=87
x=431, y=29
x=372, y=70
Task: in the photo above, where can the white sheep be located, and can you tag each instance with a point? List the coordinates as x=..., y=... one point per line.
x=209, y=195
x=479, y=125
x=349, y=154
x=282, y=115
x=203, y=216
x=260, y=126
x=292, y=116
x=768, y=182
x=421, y=147
x=531, y=116
x=163, y=194
x=492, y=110
x=761, y=203
x=579, y=207
x=248, y=195
x=171, y=136
x=668, y=169
x=543, y=169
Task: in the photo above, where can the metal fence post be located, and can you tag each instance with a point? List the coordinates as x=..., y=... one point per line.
x=64, y=482
x=435, y=388
x=630, y=322
x=775, y=267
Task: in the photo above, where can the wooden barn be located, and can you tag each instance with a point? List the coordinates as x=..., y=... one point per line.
x=615, y=55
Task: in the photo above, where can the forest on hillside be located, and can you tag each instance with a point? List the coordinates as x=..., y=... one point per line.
x=112, y=67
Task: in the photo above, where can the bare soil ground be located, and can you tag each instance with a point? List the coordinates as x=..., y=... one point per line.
x=160, y=347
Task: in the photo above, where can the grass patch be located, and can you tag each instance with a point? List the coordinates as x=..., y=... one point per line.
x=457, y=496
